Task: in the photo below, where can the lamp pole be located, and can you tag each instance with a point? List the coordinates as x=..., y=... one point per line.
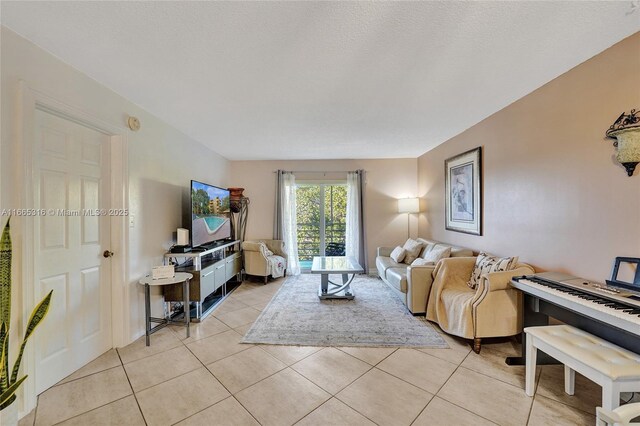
x=408, y=206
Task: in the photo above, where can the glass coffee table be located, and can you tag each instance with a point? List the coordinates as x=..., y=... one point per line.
x=337, y=265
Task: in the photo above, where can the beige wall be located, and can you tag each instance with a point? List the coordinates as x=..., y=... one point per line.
x=553, y=193
x=161, y=159
x=386, y=181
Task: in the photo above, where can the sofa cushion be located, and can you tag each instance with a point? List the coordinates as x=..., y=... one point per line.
x=398, y=254
x=413, y=249
x=486, y=264
x=397, y=278
x=383, y=263
x=440, y=251
x=427, y=248
x=461, y=252
x=421, y=262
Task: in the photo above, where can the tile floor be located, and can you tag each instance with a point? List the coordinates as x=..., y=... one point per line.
x=213, y=379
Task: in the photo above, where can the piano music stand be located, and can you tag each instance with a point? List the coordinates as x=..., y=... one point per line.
x=616, y=269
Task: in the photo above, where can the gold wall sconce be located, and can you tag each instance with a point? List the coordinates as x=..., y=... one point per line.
x=626, y=131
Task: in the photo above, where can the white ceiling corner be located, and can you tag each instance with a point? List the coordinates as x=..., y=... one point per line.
x=323, y=80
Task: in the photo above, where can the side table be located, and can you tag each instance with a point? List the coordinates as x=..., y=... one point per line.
x=179, y=277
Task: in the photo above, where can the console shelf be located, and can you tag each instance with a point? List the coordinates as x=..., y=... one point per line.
x=212, y=269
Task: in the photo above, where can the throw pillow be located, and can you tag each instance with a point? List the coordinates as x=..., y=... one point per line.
x=421, y=262
x=427, y=249
x=398, y=254
x=437, y=253
x=486, y=264
x=413, y=249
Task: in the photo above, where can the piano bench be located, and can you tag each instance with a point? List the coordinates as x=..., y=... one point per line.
x=615, y=369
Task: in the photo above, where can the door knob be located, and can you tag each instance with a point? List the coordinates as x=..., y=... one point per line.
x=107, y=253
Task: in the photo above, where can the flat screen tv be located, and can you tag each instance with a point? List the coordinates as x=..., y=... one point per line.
x=210, y=214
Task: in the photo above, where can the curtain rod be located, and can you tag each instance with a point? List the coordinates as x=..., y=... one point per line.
x=328, y=171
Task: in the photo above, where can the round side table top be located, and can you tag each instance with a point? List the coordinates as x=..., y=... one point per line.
x=179, y=277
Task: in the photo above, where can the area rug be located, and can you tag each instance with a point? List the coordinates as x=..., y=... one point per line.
x=376, y=317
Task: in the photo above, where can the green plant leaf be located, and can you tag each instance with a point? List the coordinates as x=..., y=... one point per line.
x=36, y=316
x=9, y=402
x=5, y=275
x=9, y=393
x=4, y=355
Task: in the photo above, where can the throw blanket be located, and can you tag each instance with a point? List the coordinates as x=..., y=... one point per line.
x=451, y=300
x=276, y=264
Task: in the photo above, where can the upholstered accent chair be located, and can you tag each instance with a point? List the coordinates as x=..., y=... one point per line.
x=492, y=309
x=265, y=258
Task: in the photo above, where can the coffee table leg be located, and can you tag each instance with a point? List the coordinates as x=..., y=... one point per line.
x=345, y=280
x=324, y=283
x=147, y=313
x=187, y=311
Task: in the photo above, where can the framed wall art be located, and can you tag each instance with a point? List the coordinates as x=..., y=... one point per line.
x=463, y=192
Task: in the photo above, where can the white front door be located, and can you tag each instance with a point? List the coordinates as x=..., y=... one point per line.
x=71, y=189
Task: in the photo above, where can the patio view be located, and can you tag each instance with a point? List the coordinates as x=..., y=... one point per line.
x=321, y=216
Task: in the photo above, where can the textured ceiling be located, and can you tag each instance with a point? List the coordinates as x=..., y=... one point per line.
x=322, y=80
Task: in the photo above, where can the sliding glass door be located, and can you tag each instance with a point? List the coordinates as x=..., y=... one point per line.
x=321, y=212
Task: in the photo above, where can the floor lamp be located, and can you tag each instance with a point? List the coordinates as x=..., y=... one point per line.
x=408, y=206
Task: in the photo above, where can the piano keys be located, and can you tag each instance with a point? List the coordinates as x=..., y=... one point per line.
x=609, y=311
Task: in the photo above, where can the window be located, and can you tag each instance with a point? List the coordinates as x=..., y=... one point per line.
x=321, y=215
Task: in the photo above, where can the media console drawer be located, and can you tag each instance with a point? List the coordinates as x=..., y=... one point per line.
x=212, y=271
x=233, y=266
x=220, y=273
x=206, y=281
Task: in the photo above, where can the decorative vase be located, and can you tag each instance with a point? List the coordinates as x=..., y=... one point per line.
x=9, y=415
x=235, y=199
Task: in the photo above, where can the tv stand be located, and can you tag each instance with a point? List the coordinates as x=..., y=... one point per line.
x=213, y=270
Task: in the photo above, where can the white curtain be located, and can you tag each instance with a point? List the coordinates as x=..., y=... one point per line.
x=286, y=216
x=355, y=238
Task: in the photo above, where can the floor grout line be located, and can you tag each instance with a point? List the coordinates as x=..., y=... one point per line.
x=354, y=409
x=474, y=413
x=150, y=355
x=286, y=364
x=452, y=403
x=144, y=419
x=35, y=415
x=246, y=409
x=88, y=375
x=215, y=378
x=531, y=409
x=200, y=411
x=552, y=398
x=96, y=408
x=441, y=386
x=370, y=367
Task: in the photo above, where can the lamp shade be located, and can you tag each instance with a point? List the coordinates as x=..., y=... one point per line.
x=409, y=205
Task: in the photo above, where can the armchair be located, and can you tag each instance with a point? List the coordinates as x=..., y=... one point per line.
x=493, y=309
x=265, y=257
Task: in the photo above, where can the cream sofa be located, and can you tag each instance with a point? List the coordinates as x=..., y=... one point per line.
x=412, y=283
x=492, y=309
x=258, y=261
